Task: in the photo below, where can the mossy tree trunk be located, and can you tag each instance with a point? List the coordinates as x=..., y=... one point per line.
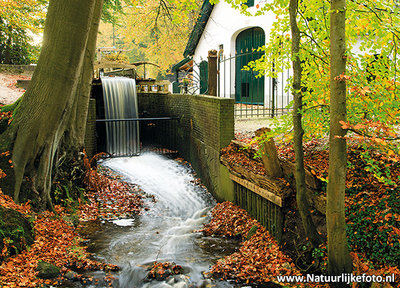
x=41, y=118
x=339, y=260
x=301, y=198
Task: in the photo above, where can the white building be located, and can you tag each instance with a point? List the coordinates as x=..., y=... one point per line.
x=235, y=36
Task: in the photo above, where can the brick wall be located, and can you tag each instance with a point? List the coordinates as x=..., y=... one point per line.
x=90, y=135
x=206, y=125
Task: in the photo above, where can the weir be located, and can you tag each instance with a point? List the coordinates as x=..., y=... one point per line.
x=166, y=232
x=120, y=105
x=121, y=130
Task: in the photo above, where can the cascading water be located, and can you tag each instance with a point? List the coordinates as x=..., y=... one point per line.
x=166, y=231
x=120, y=102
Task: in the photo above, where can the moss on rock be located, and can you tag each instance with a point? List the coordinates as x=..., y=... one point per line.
x=16, y=232
x=47, y=270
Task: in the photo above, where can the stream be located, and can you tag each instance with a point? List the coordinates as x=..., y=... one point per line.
x=166, y=232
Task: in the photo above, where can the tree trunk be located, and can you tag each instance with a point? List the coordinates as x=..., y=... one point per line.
x=269, y=155
x=75, y=133
x=339, y=260
x=8, y=48
x=41, y=117
x=301, y=198
x=69, y=154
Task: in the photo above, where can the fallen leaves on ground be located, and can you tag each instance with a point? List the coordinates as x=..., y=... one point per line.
x=109, y=197
x=235, y=157
x=7, y=202
x=56, y=242
x=259, y=259
x=361, y=265
x=229, y=220
x=372, y=206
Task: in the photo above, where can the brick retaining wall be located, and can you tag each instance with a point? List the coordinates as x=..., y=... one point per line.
x=206, y=125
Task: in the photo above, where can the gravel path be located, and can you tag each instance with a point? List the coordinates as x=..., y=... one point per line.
x=9, y=93
x=245, y=128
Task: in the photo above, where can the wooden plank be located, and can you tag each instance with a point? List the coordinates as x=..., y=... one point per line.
x=277, y=187
x=258, y=190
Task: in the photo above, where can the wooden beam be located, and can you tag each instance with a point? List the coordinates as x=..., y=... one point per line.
x=258, y=190
x=212, y=73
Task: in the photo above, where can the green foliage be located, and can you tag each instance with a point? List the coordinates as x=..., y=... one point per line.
x=21, y=52
x=372, y=71
x=19, y=20
x=10, y=107
x=374, y=229
x=252, y=231
x=68, y=185
x=67, y=194
x=112, y=9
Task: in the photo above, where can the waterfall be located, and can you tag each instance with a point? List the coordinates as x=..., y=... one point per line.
x=120, y=102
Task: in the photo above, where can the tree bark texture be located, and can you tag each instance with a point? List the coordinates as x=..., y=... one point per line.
x=301, y=189
x=74, y=136
x=339, y=260
x=41, y=118
x=269, y=154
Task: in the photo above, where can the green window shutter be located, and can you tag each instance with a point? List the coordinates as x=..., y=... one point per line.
x=203, y=77
x=175, y=87
x=249, y=3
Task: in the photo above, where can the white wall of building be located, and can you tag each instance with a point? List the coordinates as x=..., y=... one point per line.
x=223, y=26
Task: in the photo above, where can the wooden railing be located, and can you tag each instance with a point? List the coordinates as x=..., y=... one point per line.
x=264, y=206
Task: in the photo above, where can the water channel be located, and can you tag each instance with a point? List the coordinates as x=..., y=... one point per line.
x=166, y=232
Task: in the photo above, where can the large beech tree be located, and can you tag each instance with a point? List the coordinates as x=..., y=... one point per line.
x=55, y=104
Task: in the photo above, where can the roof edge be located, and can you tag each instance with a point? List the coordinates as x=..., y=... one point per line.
x=180, y=63
x=198, y=28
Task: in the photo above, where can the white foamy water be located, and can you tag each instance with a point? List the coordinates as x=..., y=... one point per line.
x=166, y=231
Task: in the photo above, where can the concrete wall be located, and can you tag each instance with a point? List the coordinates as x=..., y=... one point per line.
x=206, y=125
x=17, y=69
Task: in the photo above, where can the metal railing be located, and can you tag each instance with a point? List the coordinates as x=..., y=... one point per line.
x=119, y=137
x=254, y=97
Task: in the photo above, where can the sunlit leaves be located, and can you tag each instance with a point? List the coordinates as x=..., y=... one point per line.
x=155, y=31
x=22, y=14
x=370, y=28
x=18, y=21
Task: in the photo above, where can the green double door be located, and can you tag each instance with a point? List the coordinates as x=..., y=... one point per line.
x=249, y=89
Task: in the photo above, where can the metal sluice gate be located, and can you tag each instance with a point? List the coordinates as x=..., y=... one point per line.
x=132, y=136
